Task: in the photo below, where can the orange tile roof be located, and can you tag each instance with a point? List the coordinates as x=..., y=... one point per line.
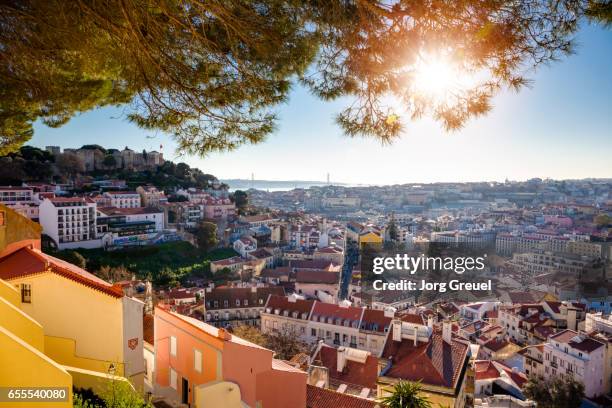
x=435, y=362
x=30, y=261
x=354, y=373
x=322, y=398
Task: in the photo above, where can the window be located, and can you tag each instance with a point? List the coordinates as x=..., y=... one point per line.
x=313, y=332
x=173, y=379
x=173, y=346
x=197, y=360
x=237, y=302
x=26, y=293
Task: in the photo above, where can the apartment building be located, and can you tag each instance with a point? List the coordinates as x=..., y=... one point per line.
x=287, y=314
x=539, y=262
x=319, y=284
x=124, y=199
x=234, y=264
x=70, y=222
x=245, y=245
x=330, y=253
x=182, y=214
x=227, y=306
x=579, y=356
x=130, y=226
x=507, y=244
x=533, y=360
x=204, y=366
x=150, y=196
x=218, y=208
x=336, y=325
x=16, y=195
x=470, y=239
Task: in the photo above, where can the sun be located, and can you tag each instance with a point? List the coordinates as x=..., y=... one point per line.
x=437, y=77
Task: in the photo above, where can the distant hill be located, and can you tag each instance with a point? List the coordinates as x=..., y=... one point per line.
x=245, y=184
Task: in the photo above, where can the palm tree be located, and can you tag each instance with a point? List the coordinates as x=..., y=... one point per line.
x=406, y=395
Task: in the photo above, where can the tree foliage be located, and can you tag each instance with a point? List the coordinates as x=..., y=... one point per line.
x=118, y=394
x=285, y=343
x=561, y=391
x=406, y=394
x=250, y=333
x=212, y=72
x=240, y=198
x=206, y=235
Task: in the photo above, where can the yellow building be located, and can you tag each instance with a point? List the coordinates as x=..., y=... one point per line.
x=60, y=325
x=370, y=237
x=22, y=359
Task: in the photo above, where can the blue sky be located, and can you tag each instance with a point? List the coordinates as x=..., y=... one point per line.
x=560, y=128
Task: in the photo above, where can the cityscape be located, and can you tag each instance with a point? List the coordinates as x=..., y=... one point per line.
x=277, y=300
x=305, y=204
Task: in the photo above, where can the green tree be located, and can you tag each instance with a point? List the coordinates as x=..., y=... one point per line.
x=561, y=391
x=241, y=199
x=206, y=235
x=406, y=394
x=603, y=220
x=250, y=333
x=285, y=344
x=211, y=73
x=392, y=231
x=74, y=258
x=109, y=161
x=70, y=164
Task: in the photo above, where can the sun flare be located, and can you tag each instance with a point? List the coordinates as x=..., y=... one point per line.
x=437, y=77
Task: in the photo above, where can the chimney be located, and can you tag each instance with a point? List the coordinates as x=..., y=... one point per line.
x=224, y=334
x=341, y=362
x=397, y=330
x=447, y=332
x=390, y=312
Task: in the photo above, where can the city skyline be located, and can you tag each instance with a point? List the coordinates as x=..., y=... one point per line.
x=558, y=129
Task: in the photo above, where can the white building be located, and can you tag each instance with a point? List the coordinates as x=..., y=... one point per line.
x=16, y=195
x=245, y=245
x=70, y=222
x=579, y=356
x=124, y=199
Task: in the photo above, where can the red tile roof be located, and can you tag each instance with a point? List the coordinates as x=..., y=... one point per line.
x=435, y=362
x=375, y=320
x=29, y=261
x=315, y=264
x=485, y=370
x=310, y=276
x=322, y=398
x=336, y=312
x=282, y=303
x=582, y=343
x=496, y=345
x=354, y=373
x=255, y=298
x=411, y=318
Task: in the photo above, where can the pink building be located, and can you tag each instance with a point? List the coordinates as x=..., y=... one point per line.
x=218, y=208
x=198, y=364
